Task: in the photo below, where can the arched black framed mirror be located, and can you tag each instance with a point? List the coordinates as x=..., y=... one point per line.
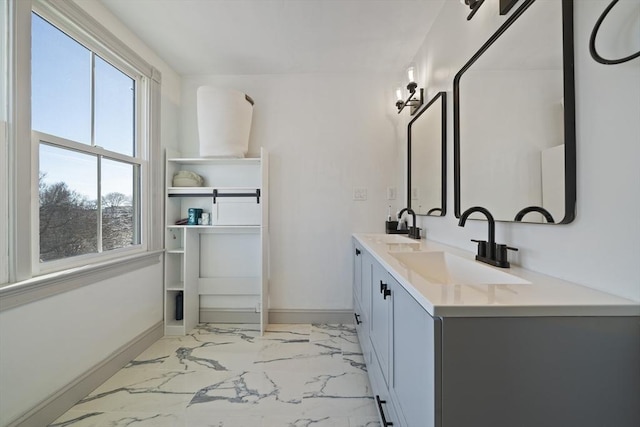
x=427, y=155
x=514, y=119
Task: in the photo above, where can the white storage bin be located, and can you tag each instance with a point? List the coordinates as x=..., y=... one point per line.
x=236, y=211
x=224, y=122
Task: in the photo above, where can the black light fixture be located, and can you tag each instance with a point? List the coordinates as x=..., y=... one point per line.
x=416, y=96
x=506, y=5
x=474, y=5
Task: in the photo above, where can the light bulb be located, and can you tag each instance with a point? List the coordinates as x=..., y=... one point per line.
x=399, y=94
x=411, y=74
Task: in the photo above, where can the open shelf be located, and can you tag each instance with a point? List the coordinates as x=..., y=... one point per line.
x=177, y=286
x=176, y=251
x=220, y=266
x=215, y=161
x=178, y=191
x=221, y=227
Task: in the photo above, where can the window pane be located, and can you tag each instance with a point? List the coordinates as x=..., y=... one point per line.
x=120, y=214
x=61, y=83
x=114, y=108
x=68, y=210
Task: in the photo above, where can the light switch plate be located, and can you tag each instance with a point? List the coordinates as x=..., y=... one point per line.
x=359, y=194
x=391, y=193
x=415, y=193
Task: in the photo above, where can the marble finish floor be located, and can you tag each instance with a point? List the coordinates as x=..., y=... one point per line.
x=229, y=376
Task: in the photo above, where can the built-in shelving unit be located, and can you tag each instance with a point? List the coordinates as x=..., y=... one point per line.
x=220, y=267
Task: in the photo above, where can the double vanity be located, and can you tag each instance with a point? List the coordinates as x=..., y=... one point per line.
x=452, y=342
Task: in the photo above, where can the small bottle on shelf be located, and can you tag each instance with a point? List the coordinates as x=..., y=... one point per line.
x=179, y=305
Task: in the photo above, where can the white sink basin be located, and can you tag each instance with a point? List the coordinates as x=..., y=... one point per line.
x=445, y=268
x=390, y=239
x=402, y=247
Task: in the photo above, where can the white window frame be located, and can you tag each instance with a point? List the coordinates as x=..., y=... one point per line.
x=4, y=153
x=4, y=200
x=28, y=279
x=140, y=151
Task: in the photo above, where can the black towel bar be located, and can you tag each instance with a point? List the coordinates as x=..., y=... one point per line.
x=217, y=194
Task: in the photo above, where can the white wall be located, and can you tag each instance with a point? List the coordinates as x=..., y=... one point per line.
x=47, y=344
x=601, y=248
x=326, y=134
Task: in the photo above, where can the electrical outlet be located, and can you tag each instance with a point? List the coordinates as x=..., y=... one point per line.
x=391, y=193
x=415, y=193
x=359, y=194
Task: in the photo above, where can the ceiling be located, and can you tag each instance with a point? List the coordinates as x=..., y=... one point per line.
x=280, y=36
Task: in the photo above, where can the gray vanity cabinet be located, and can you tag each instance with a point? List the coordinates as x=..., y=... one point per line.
x=357, y=272
x=373, y=327
x=398, y=340
x=383, y=286
x=416, y=335
x=361, y=297
x=501, y=371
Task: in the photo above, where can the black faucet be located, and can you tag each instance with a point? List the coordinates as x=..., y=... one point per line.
x=414, y=231
x=488, y=251
x=539, y=209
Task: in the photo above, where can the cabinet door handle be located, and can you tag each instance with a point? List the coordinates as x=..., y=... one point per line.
x=385, y=423
x=386, y=293
x=357, y=251
x=383, y=286
x=358, y=321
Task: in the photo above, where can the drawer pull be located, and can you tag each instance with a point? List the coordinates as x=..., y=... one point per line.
x=358, y=321
x=385, y=423
x=383, y=286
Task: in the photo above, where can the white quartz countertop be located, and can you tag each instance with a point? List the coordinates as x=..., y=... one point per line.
x=531, y=294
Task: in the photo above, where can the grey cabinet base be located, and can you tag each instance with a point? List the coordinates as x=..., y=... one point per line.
x=542, y=371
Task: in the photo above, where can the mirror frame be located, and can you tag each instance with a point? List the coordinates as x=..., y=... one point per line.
x=442, y=96
x=569, y=108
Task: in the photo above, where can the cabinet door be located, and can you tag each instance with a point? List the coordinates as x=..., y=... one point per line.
x=357, y=271
x=415, y=335
x=381, y=296
x=365, y=307
x=367, y=266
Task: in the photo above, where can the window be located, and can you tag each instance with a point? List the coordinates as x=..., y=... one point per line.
x=82, y=151
x=85, y=116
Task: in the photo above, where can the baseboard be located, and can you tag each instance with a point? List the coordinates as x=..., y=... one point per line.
x=64, y=399
x=213, y=315
x=310, y=316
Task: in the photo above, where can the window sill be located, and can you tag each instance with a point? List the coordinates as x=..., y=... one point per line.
x=16, y=294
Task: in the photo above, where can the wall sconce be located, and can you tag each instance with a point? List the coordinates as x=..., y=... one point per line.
x=506, y=5
x=416, y=97
x=474, y=5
